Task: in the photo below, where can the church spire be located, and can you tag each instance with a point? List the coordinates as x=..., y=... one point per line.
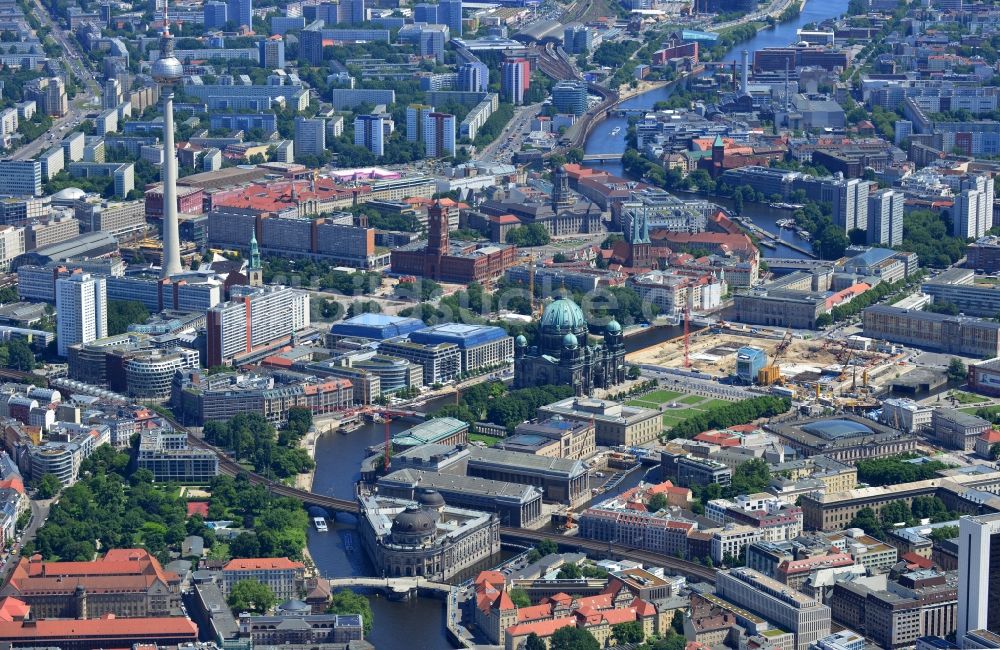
x=254, y=270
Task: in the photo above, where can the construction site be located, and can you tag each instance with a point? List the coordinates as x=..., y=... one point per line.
x=847, y=372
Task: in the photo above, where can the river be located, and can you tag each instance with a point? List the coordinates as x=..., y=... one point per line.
x=419, y=623
x=602, y=142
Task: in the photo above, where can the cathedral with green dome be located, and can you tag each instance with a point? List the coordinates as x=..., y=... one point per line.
x=563, y=357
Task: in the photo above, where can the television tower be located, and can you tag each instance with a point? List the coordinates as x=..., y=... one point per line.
x=167, y=71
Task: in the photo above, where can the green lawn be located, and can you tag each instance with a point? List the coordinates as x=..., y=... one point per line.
x=966, y=398
x=487, y=440
x=691, y=399
x=971, y=410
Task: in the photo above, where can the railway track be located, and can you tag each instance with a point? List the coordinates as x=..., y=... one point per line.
x=229, y=467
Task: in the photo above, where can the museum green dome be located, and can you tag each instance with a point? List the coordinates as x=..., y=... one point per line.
x=562, y=315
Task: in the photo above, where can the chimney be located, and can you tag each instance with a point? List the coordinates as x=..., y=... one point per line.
x=745, y=80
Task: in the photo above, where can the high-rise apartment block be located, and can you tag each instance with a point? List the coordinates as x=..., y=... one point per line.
x=439, y=135
x=430, y=40
x=415, y=116
x=310, y=136
x=473, y=77
x=978, y=575
x=885, y=218
x=849, y=197
x=369, y=133
x=972, y=213
x=49, y=95
x=255, y=319
x=21, y=177
x=82, y=310
x=515, y=77
x=272, y=53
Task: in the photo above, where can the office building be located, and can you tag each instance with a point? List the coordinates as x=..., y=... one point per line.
x=21, y=177
x=953, y=334
x=425, y=13
x=749, y=361
x=81, y=305
x=450, y=14
x=570, y=97
x=171, y=459
x=416, y=115
x=439, y=135
x=73, y=590
x=615, y=423
x=788, y=609
x=310, y=136
x=515, y=76
x=885, y=218
x=978, y=575
x=11, y=245
x=282, y=575
x=369, y=133
x=578, y=39
x=260, y=318
x=430, y=40
x=956, y=429
x=215, y=14
x=240, y=12
x=480, y=346
x=473, y=77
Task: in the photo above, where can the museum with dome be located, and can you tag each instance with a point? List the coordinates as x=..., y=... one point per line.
x=425, y=537
x=562, y=355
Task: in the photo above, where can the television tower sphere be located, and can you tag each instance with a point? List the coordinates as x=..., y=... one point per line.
x=167, y=70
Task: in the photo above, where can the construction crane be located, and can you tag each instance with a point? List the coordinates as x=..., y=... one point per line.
x=530, y=259
x=771, y=374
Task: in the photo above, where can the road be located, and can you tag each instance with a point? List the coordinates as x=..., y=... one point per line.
x=509, y=141
x=39, y=513
x=89, y=95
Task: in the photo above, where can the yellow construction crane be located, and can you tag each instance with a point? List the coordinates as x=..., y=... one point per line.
x=771, y=374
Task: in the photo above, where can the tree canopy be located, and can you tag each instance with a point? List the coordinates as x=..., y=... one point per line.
x=346, y=601
x=251, y=596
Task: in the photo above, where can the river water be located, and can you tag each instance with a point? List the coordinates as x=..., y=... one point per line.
x=419, y=623
x=602, y=142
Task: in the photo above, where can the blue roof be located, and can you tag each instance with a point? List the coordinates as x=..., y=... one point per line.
x=837, y=428
x=870, y=257
x=694, y=35
x=465, y=336
x=376, y=326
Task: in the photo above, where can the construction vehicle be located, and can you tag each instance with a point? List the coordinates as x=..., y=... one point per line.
x=771, y=374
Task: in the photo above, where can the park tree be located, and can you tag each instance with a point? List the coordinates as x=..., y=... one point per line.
x=630, y=632
x=656, y=502
x=751, y=476
x=251, y=596
x=573, y=638
x=534, y=642
x=957, y=370
x=48, y=486
x=520, y=597
x=346, y=601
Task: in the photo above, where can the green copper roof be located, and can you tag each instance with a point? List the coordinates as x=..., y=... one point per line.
x=563, y=315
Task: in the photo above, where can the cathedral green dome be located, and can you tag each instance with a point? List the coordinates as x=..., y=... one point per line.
x=520, y=341
x=562, y=316
x=613, y=327
x=569, y=340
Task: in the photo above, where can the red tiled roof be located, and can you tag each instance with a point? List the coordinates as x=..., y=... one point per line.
x=262, y=564
x=12, y=609
x=197, y=508
x=918, y=560
x=541, y=628
x=105, y=628
x=990, y=436
x=533, y=613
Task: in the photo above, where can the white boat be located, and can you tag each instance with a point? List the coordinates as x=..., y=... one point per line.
x=616, y=130
x=320, y=524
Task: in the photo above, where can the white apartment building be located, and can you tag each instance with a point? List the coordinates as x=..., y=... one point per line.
x=82, y=309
